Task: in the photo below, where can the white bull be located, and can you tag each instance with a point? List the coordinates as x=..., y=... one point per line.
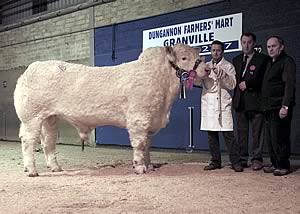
x=137, y=95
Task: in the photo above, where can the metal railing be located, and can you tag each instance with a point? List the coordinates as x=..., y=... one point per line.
x=51, y=12
x=15, y=11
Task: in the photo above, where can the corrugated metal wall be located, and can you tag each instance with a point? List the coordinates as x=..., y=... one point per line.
x=9, y=121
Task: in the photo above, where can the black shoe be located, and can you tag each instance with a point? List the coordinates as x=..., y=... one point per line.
x=212, y=166
x=257, y=165
x=281, y=172
x=237, y=167
x=244, y=163
x=269, y=169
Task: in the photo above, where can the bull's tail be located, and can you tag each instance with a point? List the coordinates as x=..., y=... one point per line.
x=21, y=131
x=21, y=91
x=19, y=99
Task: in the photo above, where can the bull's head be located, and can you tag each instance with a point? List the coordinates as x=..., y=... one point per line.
x=187, y=63
x=185, y=58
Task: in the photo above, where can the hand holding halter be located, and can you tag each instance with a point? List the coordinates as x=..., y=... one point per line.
x=218, y=71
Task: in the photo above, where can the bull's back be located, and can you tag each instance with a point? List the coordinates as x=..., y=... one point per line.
x=60, y=88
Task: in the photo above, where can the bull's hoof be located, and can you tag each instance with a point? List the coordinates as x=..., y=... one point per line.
x=56, y=169
x=33, y=174
x=151, y=167
x=141, y=169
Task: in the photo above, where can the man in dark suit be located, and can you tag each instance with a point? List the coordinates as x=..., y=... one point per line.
x=278, y=99
x=250, y=68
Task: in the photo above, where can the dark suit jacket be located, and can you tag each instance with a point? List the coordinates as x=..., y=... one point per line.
x=279, y=83
x=250, y=99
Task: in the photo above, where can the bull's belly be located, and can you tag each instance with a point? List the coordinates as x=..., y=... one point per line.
x=83, y=121
x=92, y=122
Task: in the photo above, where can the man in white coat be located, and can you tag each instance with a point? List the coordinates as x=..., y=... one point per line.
x=216, y=105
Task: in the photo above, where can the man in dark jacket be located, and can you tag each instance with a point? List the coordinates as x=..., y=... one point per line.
x=250, y=68
x=278, y=96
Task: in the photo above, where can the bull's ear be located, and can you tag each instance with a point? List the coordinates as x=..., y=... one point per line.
x=170, y=53
x=198, y=49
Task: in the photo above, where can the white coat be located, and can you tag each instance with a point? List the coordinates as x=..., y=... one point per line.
x=216, y=100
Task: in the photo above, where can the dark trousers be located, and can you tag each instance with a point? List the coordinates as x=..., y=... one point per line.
x=230, y=143
x=277, y=137
x=255, y=119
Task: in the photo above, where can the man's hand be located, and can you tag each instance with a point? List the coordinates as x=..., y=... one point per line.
x=219, y=72
x=283, y=112
x=242, y=86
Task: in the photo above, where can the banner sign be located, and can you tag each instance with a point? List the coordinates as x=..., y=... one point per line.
x=201, y=33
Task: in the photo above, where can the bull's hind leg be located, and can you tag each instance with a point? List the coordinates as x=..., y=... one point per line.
x=48, y=141
x=29, y=134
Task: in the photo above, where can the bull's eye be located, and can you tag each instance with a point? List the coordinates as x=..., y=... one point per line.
x=183, y=58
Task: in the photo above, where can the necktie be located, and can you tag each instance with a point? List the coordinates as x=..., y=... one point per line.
x=244, y=64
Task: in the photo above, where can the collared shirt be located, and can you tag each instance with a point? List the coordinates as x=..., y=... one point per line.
x=250, y=56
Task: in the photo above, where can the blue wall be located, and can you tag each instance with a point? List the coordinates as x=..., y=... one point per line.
x=123, y=42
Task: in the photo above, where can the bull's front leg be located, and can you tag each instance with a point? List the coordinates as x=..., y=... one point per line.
x=147, y=154
x=141, y=159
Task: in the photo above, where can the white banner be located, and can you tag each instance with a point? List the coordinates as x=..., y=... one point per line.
x=201, y=33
